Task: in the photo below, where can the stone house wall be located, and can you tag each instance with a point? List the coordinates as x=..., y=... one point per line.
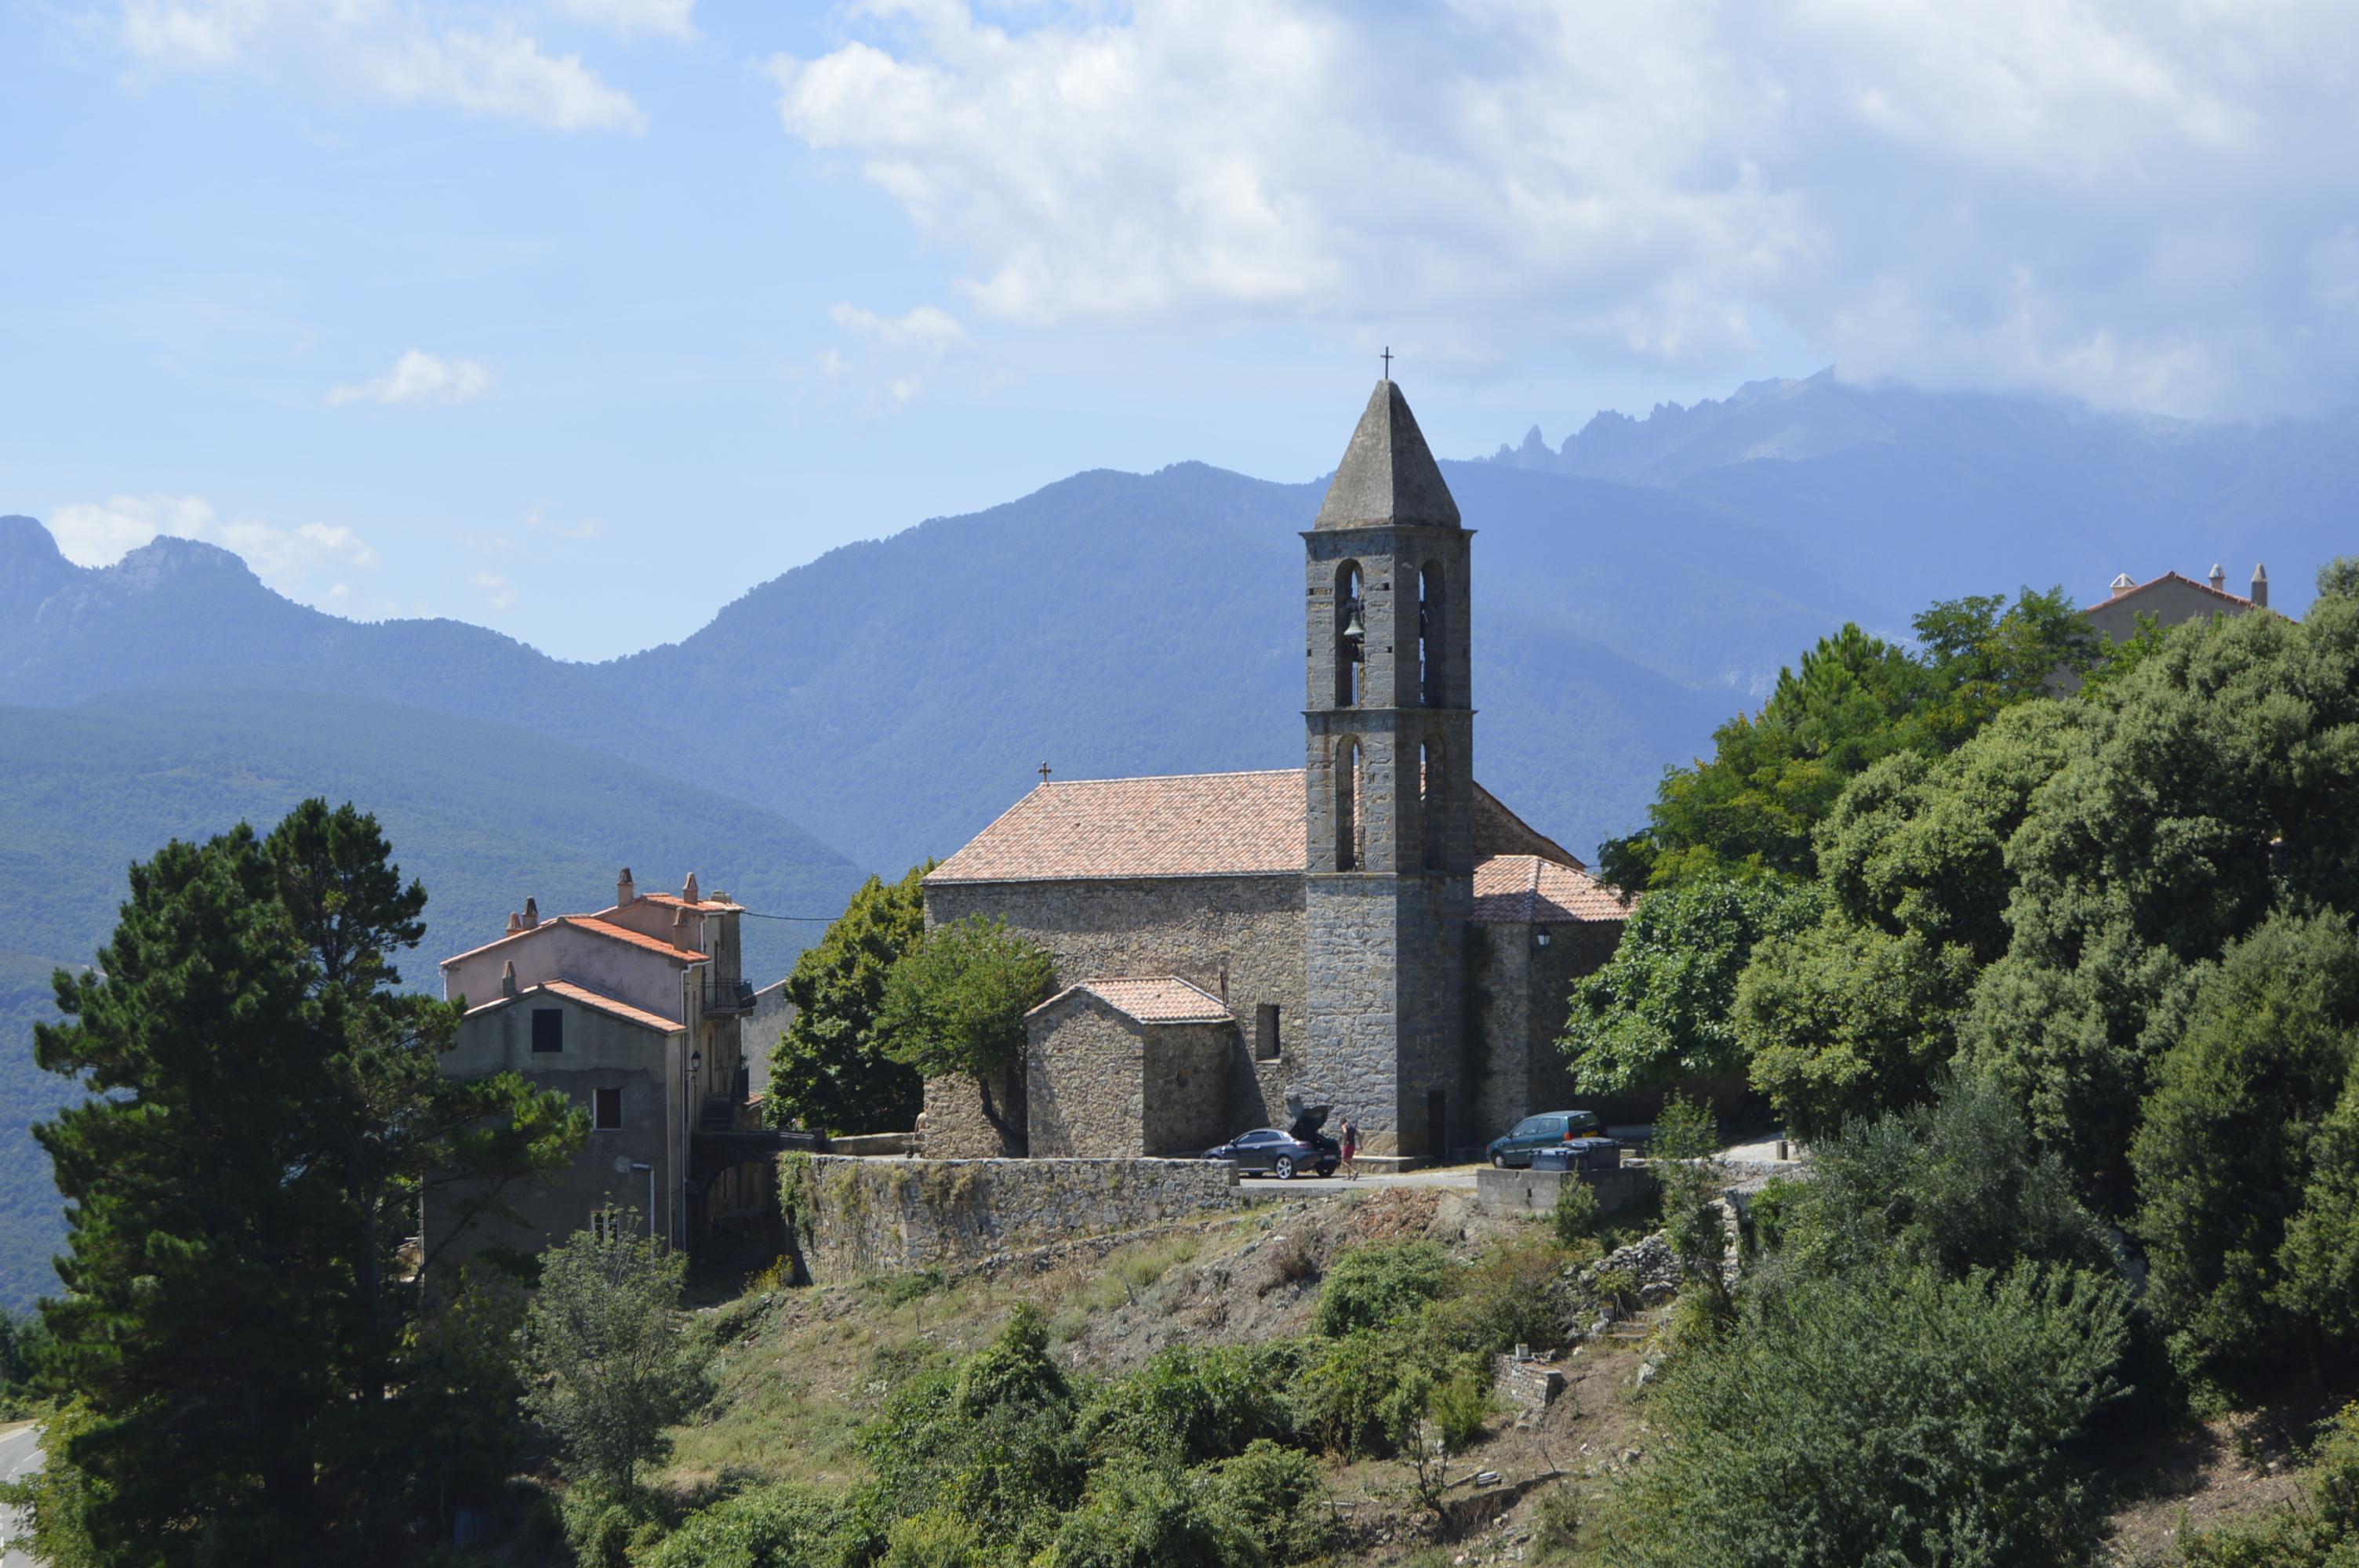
x=1186, y=1070
x=854, y=1217
x=1100, y=1084
x=954, y=1125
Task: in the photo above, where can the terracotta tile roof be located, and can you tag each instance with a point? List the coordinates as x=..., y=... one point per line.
x=2220, y=593
x=1188, y=825
x=589, y=998
x=1159, y=998
x=1180, y=825
x=1525, y=890
x=595, y=927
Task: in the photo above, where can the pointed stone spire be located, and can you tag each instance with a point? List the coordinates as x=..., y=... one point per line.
x=1387, y=474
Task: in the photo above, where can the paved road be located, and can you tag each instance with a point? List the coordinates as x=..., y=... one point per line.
x=20, y=1456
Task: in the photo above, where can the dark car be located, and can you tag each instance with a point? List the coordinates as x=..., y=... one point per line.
x=1515, y=1146
x=1284, y=1151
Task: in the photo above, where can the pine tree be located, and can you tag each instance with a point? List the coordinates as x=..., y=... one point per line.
x=266, y=1114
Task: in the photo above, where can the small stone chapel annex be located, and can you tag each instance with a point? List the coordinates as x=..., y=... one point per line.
x=1373, y=932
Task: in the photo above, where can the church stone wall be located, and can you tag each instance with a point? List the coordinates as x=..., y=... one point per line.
x=1527, y=992
x=1238, y=938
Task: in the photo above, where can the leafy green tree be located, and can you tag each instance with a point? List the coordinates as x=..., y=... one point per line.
x=604, y=1341
x=2216, y=785
x=827, y=1072
x=1658, y=1010
x=2248, y=1157
x=265, y=1114
x=1899, y=1419
x=1841, y=1020
x=1854, y=700
x=955, y=1004
x=2339, y=578
x=1138, y=1513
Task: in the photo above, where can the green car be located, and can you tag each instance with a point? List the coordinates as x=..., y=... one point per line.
x=1551, y=1127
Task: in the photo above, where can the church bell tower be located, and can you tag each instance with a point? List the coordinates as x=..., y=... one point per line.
x=1389, y=730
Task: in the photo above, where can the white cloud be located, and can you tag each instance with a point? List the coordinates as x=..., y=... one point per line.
x=900, y=359
x=417, y=377
x=2130, y=203
x=628, y=18
x=296, y=561
x=391, y=50
x=587, y=528
x=495, y=589
x=99, y=533
x=928, y=327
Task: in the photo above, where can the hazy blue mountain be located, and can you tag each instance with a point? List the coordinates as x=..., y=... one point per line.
x=892, y=697
x=484, y=813
x=1905, y=495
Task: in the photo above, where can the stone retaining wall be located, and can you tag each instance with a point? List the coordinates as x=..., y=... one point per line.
x=1534, y=1192
x=854, y=1217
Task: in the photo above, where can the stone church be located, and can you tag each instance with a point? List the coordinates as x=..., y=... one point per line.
x=1374, y=932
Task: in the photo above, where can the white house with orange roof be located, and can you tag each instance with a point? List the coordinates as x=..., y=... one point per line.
x=635, y=1012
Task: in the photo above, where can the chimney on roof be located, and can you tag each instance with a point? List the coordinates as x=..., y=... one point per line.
x=2260, y=586
x=2219, y=579
x=507, y=978
x=688, y=894
x=515, y=922
x=624, y=892
x=531, y=913
x=2122, y=584
x=684, y=930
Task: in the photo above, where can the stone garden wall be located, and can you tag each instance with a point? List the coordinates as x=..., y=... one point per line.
x=854, y=1217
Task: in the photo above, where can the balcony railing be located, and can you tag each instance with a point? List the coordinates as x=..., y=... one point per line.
x=728, y=996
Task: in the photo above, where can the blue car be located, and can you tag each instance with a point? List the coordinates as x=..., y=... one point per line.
x=1284, y=1152
x=1512, y=1149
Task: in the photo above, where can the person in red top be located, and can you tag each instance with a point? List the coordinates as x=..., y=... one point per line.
x=1351, y=1144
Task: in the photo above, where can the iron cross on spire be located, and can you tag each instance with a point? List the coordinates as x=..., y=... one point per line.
x=1388, y=361
x=1044, y=772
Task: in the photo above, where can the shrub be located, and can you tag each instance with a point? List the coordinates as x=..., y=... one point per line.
x=1276, y=1496
x=1576, y=1211
x=767, y=1527
x=1508, y=1297
x=993, y=1440
x=1556, y=1523
x=1140, y=1514
x=1375, y=1286
x=1459, y=1407
x=1188, y=1406
x=1349, y=1386
x=1952, y=1185
x=936, y=1539
x=1883, y=1420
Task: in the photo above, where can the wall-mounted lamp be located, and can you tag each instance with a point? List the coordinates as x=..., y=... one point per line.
x=1541, y=939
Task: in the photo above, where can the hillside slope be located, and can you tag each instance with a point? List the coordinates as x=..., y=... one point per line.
x=484, y=813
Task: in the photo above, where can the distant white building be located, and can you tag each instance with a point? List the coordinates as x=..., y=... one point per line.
x=635, y=1013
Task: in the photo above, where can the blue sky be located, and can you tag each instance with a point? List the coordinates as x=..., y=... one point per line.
x=576, y=318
